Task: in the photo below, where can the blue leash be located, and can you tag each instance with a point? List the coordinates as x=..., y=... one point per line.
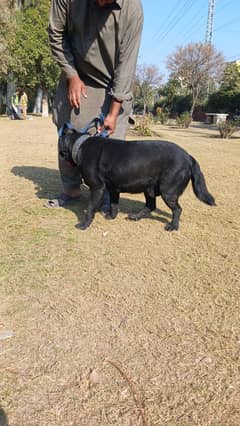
x=95, y=122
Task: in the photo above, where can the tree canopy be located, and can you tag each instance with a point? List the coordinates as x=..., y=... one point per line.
x=33, y=64
x=231, y=78
x=227, y=98
x=196, y=66
x=147, y=80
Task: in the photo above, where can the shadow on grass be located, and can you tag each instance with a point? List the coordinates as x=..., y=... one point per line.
x=3, y=418
x=190, y=130
x=224, y=139
x=48, y=186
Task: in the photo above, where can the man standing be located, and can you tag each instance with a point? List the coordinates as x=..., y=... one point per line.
x=96, y=44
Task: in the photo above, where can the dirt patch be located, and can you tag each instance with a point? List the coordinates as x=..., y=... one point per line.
x=125, y=323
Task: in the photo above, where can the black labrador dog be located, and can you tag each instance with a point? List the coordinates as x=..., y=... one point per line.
x=152, y=167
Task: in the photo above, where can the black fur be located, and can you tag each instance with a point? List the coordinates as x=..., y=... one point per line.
x=152, y=167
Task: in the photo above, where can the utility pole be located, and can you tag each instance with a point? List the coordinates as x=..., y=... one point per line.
x=209, y=29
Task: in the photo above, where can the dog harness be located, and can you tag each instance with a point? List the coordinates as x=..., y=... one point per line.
x=84, y=133
x=77, y=145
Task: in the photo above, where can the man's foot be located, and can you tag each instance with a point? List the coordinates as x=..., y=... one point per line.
x=105, y=208
x=61, y=201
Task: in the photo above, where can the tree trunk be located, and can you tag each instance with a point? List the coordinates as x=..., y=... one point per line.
x=2, y=102
x=192, y=107
x=38, y=101
x=45, y=103
x=11, y=87
x=195, y=95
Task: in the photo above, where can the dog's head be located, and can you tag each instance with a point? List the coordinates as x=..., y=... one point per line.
x=66, y=140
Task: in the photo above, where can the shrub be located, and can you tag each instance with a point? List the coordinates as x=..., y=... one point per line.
x=143, y=130
x=184, y=120
x=142, y=125
x=162, y=116
x=228, y=127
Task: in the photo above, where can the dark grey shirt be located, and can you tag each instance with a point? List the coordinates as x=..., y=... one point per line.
x=99, y=43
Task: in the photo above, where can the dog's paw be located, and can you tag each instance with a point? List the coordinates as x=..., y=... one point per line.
x=144, y=213
x=171, y=227
x=111, y=215
x=133, y=216
x=108, y=216
x=82, y=226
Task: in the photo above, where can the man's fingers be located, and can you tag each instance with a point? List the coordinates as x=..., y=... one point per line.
x=105, y=129
x=76, y=89
x=75, y=97
x=74, y=100
x=84, y=92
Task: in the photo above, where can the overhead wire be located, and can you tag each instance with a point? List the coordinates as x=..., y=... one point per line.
x=223, y=6
x=176, y=17
x=174, y=8
x=185, y=11
x=227, y=24
x=195, y=24
x=181, y=14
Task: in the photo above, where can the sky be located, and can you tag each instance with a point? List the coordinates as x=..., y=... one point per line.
x=172, y=23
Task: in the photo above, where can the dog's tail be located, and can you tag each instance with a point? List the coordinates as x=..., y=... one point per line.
x=199, y=184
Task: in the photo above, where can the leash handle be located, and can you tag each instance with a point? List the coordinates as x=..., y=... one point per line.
x=95, y=122
x=100, y=122
x=103, y=134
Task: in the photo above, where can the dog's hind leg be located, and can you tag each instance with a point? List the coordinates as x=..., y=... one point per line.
x=96, y=199
x=147, y=209
x=172, y=203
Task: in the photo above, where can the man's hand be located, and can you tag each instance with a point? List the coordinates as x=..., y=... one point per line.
x=110, y=121
x=76, y=88
x=109, y=124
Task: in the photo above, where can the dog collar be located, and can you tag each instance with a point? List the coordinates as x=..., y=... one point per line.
x=77, y=145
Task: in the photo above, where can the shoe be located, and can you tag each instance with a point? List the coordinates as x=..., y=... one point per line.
x=62, y=201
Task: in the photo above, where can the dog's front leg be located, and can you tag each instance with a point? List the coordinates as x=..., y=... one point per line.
x=96, y=199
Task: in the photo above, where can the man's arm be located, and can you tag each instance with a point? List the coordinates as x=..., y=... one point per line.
x=61, y=50
x=57, y=31
x=126, y=66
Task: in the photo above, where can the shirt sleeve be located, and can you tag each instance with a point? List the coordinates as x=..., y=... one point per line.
x=126, y=66
x=58, y=39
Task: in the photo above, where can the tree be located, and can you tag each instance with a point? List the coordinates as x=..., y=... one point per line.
x=196, y=66
x=147, y=80
x=231, y=78
x=227, y=98
x=168, y=93
x=7, y=28
x=7, y=31
x=33, y=66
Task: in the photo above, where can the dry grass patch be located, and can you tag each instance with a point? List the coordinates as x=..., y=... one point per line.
x=162, y=307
